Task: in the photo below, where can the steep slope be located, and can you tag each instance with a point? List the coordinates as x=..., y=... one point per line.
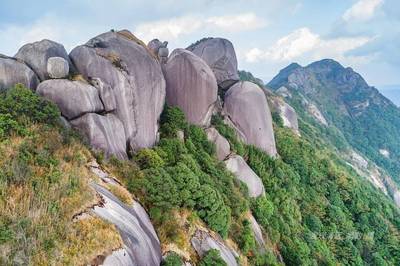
x=367, y=120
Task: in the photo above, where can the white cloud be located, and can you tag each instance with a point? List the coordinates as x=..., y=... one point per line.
x=173, y=28
x=304, y=43
x=236, y=23
x=362, y=10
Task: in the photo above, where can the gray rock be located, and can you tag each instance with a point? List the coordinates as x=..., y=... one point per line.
x=287, y=113
x=74, y=98
x=191, y=85
x=124, y=63
x=258, y=235
x=57, y=67
x=154, y=45
x=13, y=72
x=37, y=54
x=220, y=55
x=222, y=146
x=140, y=240
x=247, y=107
x=202, y=242
x=104, y=133
x=119, y=257
x=107, y=95
x=238, y=166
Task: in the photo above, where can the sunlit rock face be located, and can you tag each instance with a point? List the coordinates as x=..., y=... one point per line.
x=13, y=71
x=191, y=86
x=247, y=108
x=123, y=63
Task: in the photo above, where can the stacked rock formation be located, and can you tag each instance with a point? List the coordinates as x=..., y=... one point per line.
x=113, y=89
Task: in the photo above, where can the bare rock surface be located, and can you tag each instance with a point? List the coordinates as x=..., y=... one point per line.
x=125, y=64
x=222, y=146
x=106, y=93
x=238, y=166
x=74, y=98
x=104, y=133
x=287, y=113
x=141, y=244
x=37, y=54
x=119, y=257
x=202, y=242
x=57, y=67
x=220, y=55
x=191, y=85
x=13, y=71
x=247, y=108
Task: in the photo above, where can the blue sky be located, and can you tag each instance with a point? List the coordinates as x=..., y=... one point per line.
x=267, y=34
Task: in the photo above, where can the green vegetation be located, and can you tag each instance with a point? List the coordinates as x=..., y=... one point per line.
x=43, y=184
x=172, y=259
x=318, y=211
x=212, y=258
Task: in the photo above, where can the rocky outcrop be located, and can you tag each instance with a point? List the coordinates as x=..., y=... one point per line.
x=105, y=133
x=238, y=166
x=125, y=64
x=220, y=55
x=222, y=146
x=141, y=244
x=74, y=98
x=258, y=235
x=287, y=113
x=191, y=85
x=248, y=110
x=107, y=95
x=202, y=242
x=159, y=49
x=37, y=54
x=57, y=67
x=13, y=71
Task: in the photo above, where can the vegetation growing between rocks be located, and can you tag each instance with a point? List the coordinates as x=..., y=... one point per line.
x=317, y=210
x=43, y=184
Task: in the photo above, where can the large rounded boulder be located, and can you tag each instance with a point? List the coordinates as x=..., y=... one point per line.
x=74, y=98
x=247, y=108
x=37, y=54
x=220, y=55
x=103, y=133
x=13, y=71
x=191, y=85
x=125, y=65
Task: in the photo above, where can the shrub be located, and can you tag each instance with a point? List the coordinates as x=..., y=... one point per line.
x=262, y=210
x=172, y=259
x=212, y=258
x=8, y=125
x=148, y=158
x=22, y=103
x=246, y=239
x=212, y=209
x=172, y=120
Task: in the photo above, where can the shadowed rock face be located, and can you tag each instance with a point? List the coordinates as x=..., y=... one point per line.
x=191, y=85
x=220, y=55
x=105, y=133
x=203, y=242
x=237, y=165
x=247, y=107
x=13, y=72
x=37, y=54
x=136, y=79
x=222, y=146
x=141, y=244
x=74, y=98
